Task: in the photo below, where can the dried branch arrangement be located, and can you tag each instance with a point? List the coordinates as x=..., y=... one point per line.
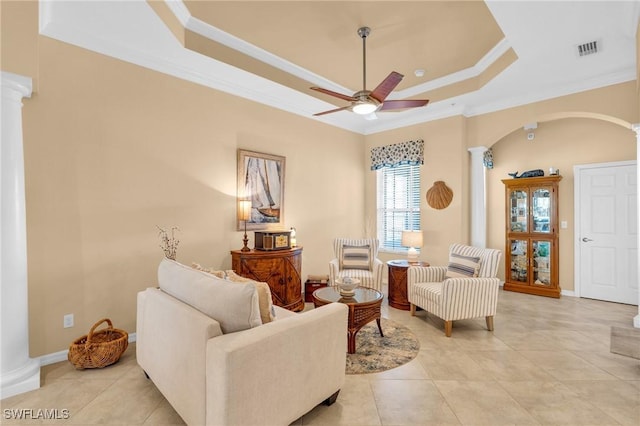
x=169, y=244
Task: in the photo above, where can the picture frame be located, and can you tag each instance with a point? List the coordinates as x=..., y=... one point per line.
x=261, y=180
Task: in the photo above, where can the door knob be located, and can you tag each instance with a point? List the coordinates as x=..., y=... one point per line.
x=586, y=240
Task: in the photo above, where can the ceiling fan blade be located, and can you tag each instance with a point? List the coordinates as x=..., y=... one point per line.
x=405, y=103
x=332, y=110
x=334, y=94
x=388, y=84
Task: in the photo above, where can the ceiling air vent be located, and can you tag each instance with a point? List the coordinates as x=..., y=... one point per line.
x=588, y=48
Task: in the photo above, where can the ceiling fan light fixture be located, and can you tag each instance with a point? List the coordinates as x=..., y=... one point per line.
x=366, y=102
x=364, y=108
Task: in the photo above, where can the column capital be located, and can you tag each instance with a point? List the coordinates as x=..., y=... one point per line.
x=18, y=83
x=477, y=149
x=636, y=128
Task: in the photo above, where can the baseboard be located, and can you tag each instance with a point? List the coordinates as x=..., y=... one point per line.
x=62, y=355
x=569, y=293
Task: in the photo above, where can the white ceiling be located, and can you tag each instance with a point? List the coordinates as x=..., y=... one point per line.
x=543, y=35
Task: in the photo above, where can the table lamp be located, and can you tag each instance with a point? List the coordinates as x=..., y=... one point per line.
x=413, y=240
x=244, y=210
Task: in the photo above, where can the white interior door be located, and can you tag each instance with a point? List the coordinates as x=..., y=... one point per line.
x=606, y=232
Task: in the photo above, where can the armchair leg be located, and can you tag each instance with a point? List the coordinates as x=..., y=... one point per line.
x=448, y=325
x=332, y=398
x=489, y=322
x=412, y=309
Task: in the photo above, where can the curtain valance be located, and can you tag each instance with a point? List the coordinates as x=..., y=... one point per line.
x=410, y=152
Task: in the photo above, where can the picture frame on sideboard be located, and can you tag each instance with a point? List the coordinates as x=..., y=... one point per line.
x=261, y=180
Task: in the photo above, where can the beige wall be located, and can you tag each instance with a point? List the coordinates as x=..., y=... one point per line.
x=563, y=139
x=446, y=160
x=113, y=149
x=561, y=144
x=613, y=103
x=19, y=38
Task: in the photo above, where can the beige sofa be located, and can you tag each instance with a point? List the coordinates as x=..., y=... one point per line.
x=202, y=342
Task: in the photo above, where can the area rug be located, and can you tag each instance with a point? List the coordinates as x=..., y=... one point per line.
x=375, y=353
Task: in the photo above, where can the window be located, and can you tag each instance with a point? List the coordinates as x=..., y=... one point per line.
x=398, y=198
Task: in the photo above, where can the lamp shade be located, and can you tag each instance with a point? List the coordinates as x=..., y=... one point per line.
x=364, y=108
x=412, y=239
x=244, y=209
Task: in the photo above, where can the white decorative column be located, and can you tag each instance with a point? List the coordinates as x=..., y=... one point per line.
x=636, y=128
x=478, y=197
x=18, y=372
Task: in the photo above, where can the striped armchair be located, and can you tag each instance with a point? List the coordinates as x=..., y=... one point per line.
x=457, y=298
x=368, y=270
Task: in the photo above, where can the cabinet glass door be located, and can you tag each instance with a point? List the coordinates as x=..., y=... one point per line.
x=519, y=265
x=518, y=205
x=541, y=211
x=541, y=254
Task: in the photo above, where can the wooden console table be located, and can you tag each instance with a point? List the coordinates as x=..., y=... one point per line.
x=398, y=282
x=278, y=268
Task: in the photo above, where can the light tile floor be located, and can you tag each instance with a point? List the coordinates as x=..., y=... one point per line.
x=546, y=363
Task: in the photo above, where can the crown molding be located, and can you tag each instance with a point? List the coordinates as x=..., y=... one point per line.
x=485, y=62
x=214, y=74
x=215, y=34
x=555, y=92
x=72, y=26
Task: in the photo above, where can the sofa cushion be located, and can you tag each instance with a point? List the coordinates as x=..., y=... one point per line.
x=265, y=301
x=462, y=266
x=234, y=306
x=355, y=257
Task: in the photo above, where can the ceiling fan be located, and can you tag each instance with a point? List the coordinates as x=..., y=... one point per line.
x=366, y=101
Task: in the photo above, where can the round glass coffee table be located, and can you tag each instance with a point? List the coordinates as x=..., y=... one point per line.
x=364, y=307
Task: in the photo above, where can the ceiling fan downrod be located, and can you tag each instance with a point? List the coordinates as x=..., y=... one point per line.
x=364, y=32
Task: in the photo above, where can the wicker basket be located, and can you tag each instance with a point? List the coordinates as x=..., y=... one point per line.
x=99, y=348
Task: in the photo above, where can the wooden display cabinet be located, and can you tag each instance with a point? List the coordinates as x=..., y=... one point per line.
x=531, y=249
x=279, y=268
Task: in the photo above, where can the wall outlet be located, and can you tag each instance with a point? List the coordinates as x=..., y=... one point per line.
x=563, y=224
x=67, y=322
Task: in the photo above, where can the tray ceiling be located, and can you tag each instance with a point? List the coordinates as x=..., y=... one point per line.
x=477, y=56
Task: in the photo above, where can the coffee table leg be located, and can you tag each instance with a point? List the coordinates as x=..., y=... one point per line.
x=351, y=342
x=379, y=327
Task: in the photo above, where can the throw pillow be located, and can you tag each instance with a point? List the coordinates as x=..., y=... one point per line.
x=265, y=301
x=355, y=257
x=234, y=306
x=217, y=273
x=462, y=266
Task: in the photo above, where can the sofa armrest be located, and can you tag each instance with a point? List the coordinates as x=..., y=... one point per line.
x=477, y=296
x=171, y=340
x=283, y=368
x=426, y=274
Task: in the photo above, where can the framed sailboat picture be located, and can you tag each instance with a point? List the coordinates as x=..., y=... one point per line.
x=261, y=180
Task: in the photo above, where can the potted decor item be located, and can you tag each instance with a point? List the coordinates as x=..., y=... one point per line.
x=347, y=286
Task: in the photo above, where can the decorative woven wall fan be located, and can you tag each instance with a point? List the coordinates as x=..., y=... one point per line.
x=439, y=196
